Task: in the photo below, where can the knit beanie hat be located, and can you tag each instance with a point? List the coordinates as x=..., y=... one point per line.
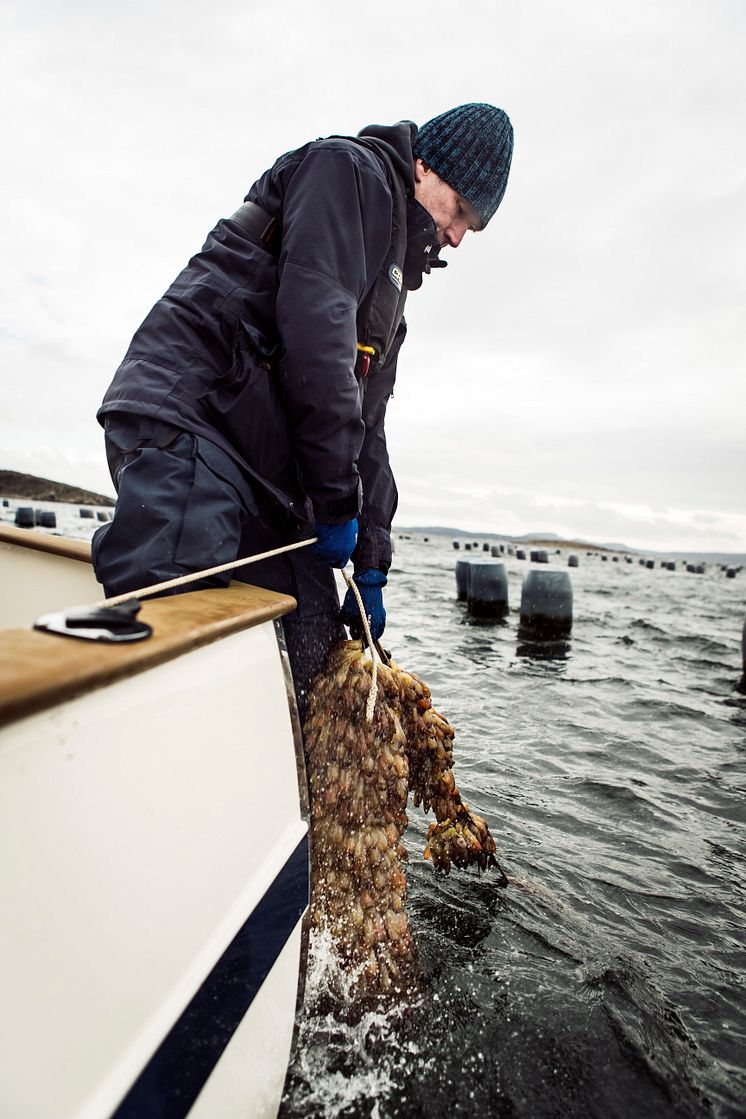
x=470, y=147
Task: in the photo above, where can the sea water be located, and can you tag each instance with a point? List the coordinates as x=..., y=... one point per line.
x=608, y=979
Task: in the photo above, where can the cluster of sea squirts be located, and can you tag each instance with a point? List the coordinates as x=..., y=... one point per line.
x=361, y=772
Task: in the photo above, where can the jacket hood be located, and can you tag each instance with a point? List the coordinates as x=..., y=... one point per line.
x=397, y=140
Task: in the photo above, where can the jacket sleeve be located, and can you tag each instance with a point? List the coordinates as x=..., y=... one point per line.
x=380, y=495
x=336, y=232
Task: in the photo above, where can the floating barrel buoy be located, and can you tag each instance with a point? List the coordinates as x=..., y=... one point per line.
x=462, y=579
x=487, y=589
x=572, y=561
x=628, y=559
x=540, y=556
x=730, y=573
x=485, y=547
x=494, y=550
x=641, y=561
x=615, y=559
x=467, y=547
x=456, y=545
x=89, y=513
x=25, y=517
x=102, y=516
x=546, y=604
x=605, y=559
x=511, y=551
x=47, y=519
x=6, y=503
x=650, y=564
x=520, y=554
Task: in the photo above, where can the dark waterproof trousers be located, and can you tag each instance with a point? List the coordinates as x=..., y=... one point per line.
x=183, y=505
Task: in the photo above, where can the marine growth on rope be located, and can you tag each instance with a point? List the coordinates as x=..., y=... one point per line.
x=360, y=774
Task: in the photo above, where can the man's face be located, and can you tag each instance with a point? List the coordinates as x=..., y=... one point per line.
x=452, y=214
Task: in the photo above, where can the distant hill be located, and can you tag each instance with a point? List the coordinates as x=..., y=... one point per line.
x=15, y=485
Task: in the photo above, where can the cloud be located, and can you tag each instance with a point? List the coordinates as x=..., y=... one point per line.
x=587, y=345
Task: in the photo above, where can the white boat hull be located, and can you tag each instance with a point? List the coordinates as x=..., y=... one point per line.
x=155, y=876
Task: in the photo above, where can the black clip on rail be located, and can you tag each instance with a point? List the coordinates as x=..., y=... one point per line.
x=111, y=624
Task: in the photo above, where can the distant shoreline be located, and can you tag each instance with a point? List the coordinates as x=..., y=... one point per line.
x=27, y=487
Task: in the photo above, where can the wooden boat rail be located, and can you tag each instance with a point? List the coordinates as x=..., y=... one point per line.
x=38, y=670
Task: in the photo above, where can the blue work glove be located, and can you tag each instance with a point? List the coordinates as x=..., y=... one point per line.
x=370, y=583
x=335, y=543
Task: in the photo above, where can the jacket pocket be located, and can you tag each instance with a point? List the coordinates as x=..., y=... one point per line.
x=245, y=405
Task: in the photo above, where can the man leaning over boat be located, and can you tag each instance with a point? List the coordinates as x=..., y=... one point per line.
x=248, y=412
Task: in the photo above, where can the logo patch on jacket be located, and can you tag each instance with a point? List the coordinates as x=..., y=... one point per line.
x=396, y=276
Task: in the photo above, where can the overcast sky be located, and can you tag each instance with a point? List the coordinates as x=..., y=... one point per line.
x=578, y=368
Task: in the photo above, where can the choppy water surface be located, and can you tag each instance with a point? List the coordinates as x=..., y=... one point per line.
x=610, y=982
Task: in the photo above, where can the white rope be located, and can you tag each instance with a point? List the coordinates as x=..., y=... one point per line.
x=183, y=580
x=373, y=693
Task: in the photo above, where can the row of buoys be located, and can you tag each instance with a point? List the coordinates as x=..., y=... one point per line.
x=546, y=596
x=542, y=556
x=27, y=517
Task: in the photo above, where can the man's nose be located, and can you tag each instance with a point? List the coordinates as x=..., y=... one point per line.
x=454, y=234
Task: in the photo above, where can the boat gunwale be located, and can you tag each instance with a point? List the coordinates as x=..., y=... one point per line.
x=39, y=670
x=45, y=542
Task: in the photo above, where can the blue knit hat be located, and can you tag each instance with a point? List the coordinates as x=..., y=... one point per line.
x=470, y=147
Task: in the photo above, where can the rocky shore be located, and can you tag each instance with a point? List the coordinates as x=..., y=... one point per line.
x=27, y=487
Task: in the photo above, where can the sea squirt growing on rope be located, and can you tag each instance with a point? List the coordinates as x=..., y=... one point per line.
x=361, y=771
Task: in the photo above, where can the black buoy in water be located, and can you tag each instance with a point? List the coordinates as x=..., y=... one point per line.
x=546, y=605
x=487, y=589
x=520, y=554
x=467, y=547
x=87, y=513
x=730, y=573
x=494, y=550
x=47, y=519
x=25, y=517
x=573, y=561
x=456, y=545
x=462, y=579
x=650, y=564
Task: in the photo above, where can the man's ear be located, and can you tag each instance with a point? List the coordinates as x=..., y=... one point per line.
x=420, y=169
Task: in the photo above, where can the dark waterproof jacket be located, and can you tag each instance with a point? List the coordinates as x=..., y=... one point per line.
x=257, y=350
